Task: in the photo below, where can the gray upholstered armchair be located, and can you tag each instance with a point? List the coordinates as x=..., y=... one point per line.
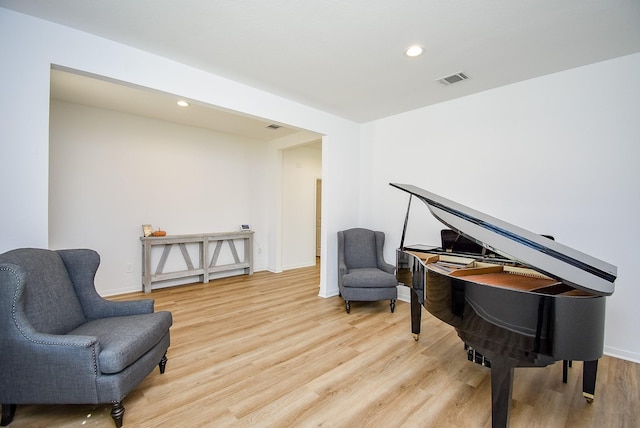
x=363, y=274
x=61, y=343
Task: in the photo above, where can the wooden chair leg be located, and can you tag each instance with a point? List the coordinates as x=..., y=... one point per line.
x=117, y=413
x=8, y=412
x=163, y=363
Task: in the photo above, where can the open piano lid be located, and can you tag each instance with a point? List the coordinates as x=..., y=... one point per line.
x=574, y=268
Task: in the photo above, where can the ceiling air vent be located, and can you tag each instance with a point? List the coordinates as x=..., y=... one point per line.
x=454, y=78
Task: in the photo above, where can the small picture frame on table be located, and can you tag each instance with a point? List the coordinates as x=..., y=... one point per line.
x=147, y=230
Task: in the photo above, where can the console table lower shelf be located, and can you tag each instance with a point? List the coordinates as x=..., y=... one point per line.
x=206, y=265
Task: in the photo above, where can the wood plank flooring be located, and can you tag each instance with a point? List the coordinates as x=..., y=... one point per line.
x=266, y=351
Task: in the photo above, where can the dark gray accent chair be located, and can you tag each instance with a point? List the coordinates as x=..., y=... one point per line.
x=61, y=343
x=363, y=274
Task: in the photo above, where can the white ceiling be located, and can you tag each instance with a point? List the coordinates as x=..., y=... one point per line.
x=98, y=92
x=346, y=56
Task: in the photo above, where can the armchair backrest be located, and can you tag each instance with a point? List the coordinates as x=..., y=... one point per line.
x=362, y=248
x=41, y=289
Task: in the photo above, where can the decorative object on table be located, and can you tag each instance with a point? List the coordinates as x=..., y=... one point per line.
x=147, y=230
x=245, y=227
x=159, y=233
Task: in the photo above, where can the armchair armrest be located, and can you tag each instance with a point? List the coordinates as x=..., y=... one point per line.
x=342, y=269
x=380, y=261
x=66, y=366
x=389, y=268
x=82, y=266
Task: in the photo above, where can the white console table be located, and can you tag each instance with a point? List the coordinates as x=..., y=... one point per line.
x=206, y=264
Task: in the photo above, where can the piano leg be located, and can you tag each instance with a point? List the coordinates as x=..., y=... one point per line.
x=589, y=371
x=501, y=389
x=565, y=369
x=416, y=315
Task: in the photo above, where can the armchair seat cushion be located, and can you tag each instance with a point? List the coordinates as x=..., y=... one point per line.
x=124, y=339
x=369, y=278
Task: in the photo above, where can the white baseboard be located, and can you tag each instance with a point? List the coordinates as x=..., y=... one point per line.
x=404, y=293
x=622, y=354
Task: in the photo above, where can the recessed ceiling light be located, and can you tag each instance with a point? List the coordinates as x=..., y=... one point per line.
x=413, y=51
x=182, y=103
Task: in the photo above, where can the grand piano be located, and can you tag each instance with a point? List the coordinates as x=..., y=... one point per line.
x=515, y=298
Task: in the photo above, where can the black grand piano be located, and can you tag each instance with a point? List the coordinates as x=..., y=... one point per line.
x=515, y=298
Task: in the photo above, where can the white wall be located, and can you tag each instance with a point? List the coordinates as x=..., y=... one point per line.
x=557, y=154
x=301, y=167
x=278, y=209
x=111, y=172
x=30, y=46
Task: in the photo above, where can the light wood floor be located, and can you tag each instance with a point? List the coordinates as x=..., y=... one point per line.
x=266, y=351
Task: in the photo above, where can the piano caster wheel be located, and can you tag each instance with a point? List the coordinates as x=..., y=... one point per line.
x=588, y=397
x=416, y=336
